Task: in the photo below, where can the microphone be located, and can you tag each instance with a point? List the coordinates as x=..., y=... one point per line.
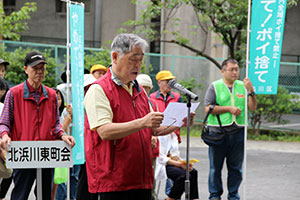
x=174, y=85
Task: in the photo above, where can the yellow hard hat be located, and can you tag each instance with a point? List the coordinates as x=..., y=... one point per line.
x=164, y=75
x=98, y=67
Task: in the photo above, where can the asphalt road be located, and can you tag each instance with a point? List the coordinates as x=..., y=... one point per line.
x=273, y=171
x=271, y=174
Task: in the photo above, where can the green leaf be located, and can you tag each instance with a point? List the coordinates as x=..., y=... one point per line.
x=15, y=23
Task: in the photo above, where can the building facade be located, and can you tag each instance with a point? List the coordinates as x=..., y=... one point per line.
x=103, y=18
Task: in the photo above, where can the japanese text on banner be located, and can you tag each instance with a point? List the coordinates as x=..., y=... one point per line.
x=267, y=25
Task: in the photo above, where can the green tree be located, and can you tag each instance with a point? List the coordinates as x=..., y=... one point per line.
x=190, y=85
x=15, y=73
x=103, y=57
x=271, y=108
x=227, y=18
x=12, y=25
x=97, y=57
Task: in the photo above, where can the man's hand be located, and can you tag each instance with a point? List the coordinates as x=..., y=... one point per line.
x=69, y=109
x=152, y=120
x=176, y=158
x=2, y=154
x=154, y=142
x=235, y=111
x=248, y=85
x=69, y=140
x=191, y=120
x=4, y=142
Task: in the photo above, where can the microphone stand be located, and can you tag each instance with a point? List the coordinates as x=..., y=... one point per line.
x=187, y=181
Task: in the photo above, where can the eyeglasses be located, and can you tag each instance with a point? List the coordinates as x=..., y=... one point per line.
x=167, y=127
x=233, y=69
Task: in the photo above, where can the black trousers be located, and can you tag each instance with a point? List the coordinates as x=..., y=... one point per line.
x=178, y=176
x=127, y=195
x=5, y=184
x=82, y=188
x=23, y=180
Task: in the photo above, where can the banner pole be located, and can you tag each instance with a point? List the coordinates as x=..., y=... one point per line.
x=68, y=81
x=39, y=183
x=246, y=103
x=68, y=52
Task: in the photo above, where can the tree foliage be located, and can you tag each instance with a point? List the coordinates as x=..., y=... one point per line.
x=12, y=25
x=97, y=57
x=15, y=73
x=226, y=18
x=271, y=108
x=191, y=85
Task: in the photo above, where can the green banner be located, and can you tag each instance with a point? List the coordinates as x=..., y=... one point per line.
x=267, y=26
x=77, y=71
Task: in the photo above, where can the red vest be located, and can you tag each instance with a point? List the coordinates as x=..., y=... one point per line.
x=155, y=151
x=33, y=121
x=161, y=104
x=159, y=101
x=122, y=164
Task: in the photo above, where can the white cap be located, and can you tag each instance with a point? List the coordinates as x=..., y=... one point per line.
x=88, y=79
x=144, y=80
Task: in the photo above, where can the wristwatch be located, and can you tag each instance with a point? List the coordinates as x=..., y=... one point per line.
x=251, y=94
x=211, y=107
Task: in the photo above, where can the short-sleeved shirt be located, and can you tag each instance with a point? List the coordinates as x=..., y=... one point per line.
x=98, y=106
x=210, y=99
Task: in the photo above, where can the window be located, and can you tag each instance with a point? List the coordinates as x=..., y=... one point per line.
x=155, y=45
x=9, y=6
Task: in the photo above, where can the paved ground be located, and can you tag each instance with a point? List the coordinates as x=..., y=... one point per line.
x=292, y=124
x=273, y=170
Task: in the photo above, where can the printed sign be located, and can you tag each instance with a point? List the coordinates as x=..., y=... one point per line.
x=77, y=71
x=267, y=26
x=38, y=154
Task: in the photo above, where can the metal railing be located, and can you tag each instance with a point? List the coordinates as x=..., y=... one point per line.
x=184, y=67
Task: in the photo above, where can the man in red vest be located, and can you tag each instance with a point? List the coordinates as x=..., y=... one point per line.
x=164, y=95
x=30, y=113
x=118, y=127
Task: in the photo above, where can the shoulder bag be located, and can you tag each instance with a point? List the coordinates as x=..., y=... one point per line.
x=210, y=137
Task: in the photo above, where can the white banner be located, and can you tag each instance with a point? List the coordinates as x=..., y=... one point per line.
x=38, y=154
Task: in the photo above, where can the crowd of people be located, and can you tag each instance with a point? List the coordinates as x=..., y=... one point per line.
x=127, y=149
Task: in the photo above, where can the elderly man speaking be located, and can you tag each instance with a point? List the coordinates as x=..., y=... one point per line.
x=119, y=125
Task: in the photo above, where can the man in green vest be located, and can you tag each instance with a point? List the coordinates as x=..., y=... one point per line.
x=226, y=97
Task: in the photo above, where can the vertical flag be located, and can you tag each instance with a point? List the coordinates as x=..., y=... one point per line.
x=267, y=26
x=77, y=71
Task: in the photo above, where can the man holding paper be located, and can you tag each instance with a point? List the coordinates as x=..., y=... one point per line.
x=119, y=124
x=164, y=95
x=168, y=162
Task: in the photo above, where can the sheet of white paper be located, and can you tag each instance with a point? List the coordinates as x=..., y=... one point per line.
x=176, y=112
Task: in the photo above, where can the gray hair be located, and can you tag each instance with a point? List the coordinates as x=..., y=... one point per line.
x=123, y=43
